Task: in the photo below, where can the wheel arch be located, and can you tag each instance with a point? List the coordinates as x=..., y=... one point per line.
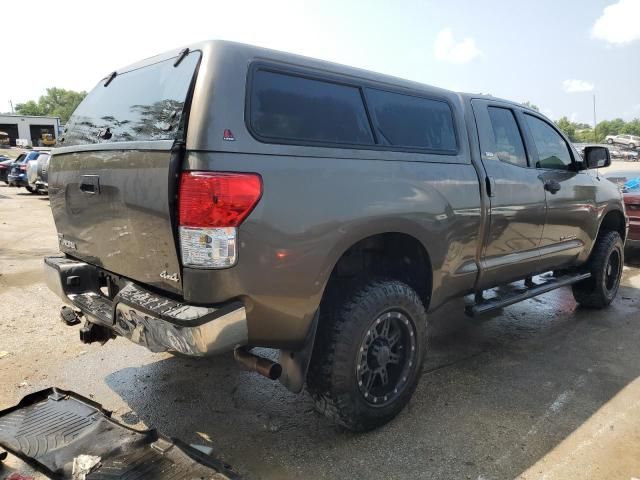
x=295, y=364
x=614, y=220
x=393, y=254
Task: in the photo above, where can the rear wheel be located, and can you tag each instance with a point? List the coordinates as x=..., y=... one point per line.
x=605, y=266
x=609, y=141
x=368, y=354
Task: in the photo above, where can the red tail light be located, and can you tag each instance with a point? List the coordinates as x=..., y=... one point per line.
x=216, y=199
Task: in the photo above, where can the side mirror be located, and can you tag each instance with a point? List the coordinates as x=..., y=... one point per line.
x=596, y=157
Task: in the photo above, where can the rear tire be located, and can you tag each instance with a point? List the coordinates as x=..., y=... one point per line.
x=610, y=141
x=368, y=354
x=605, y=266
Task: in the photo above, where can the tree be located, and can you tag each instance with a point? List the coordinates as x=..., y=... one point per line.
x=583, y=133
x=57, y=102
x=567, y=127
x=531, y=106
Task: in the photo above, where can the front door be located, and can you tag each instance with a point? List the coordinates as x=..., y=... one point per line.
x=517, y=196
x=570, y=194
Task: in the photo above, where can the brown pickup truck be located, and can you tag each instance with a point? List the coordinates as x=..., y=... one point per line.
x=223, y=196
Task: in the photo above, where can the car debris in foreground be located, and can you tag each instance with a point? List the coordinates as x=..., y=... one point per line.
x=66, y=436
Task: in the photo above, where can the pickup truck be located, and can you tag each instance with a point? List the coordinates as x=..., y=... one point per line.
x=223, y=197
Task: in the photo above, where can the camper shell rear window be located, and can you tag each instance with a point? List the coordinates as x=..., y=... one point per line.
x=146, y=103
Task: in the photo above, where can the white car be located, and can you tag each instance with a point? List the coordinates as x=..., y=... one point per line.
x=37, y=173
x=631, y=141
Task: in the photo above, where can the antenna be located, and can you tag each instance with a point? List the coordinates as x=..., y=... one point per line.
x=595, y=125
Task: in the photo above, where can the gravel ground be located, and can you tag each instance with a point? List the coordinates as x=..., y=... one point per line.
x=541, y=390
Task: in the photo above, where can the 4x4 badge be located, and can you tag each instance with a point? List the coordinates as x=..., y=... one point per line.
x=169, y=276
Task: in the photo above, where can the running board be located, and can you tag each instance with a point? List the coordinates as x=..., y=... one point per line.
x=484, y=306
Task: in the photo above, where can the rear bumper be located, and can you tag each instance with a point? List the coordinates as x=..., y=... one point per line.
x=18, y=180
x=156, y=322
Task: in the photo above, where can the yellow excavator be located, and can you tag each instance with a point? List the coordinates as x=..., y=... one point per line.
x=47, y=140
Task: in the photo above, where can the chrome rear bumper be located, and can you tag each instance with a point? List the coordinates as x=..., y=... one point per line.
x=156, y=322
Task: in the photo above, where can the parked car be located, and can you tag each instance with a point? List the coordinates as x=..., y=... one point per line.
x=226, y=196
x=631, y=141
x=18, y=174
x=629, y=183
x=5, y=164
x=630, y=155
x=37, y=173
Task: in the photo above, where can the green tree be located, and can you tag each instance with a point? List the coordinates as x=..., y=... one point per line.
x=567, y=127
x=584, y=135
x=632, y=127
x=531, y=106
x=57, y=102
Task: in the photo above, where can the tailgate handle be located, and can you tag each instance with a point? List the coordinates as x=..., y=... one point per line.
x=90, y=184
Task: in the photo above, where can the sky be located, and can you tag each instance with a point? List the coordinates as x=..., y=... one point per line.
x=555, y=54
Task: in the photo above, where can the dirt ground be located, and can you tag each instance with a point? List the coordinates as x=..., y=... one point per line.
x=541, y=390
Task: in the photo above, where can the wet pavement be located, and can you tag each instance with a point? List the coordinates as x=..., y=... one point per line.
x=543, y=389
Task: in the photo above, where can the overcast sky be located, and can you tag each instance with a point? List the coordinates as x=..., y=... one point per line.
x=556, y=54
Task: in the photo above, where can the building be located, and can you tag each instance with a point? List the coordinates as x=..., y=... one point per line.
x=29, y=127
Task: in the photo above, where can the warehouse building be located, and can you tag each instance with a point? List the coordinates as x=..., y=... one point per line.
x=30, y=128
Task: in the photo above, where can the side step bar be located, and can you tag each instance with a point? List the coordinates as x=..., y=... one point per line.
x=484, y=306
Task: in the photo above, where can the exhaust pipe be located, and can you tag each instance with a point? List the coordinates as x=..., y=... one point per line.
x=263, y=366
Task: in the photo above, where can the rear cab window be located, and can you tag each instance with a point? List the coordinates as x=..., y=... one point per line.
x=508, y=140
x=142, y=104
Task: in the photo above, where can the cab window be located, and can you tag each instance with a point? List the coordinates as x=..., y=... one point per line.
x=509, y=145
x=553, y=152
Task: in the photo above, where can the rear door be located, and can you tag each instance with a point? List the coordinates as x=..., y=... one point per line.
x=112, y=183
x=517, y=198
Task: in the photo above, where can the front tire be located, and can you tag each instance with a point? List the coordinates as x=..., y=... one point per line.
x=605, y=266
x=368, y=353
x=30, y=190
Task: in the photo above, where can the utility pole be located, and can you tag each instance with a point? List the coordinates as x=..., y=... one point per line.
x=595, y=136
x=11, y=103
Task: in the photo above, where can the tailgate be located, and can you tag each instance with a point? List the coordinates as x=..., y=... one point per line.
x=112, y=183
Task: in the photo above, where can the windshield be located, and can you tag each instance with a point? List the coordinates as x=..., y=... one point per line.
x=142, y=104
x=28, y=156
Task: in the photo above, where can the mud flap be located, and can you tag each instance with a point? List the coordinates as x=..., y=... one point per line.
x=50, y=428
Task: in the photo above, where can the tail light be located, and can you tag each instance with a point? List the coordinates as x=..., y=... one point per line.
x=211, y=205
x=23, y=168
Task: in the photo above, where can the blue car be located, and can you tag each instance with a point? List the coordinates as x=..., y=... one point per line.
x=18, y=174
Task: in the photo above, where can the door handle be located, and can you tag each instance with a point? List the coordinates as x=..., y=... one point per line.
x=90, y=184
x=552, y=186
